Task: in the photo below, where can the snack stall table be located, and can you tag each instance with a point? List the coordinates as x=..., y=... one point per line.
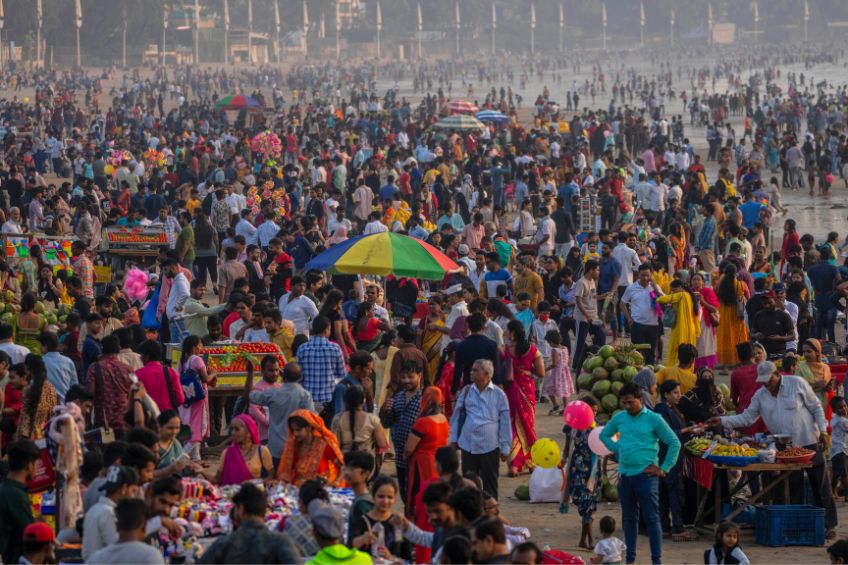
x=710, y=476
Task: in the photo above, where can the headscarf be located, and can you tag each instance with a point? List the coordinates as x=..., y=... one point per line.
x=646, y=379
x=285, y=471
x=705, y=388
x=234, y=469
x=339, y=235
x=814, y=371
x=131, y=318
x=431, y=399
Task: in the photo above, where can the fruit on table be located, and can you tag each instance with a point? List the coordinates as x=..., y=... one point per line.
x=698, y=445
x=734, y=450
x=794, y=452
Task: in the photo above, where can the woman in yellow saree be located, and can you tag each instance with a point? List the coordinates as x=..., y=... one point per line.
x=311, y=451
x=434, y=335
x=814, y=371
x=687, y=326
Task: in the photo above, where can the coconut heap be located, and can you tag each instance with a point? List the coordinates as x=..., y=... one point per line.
x=9, y=309
x=605, y=373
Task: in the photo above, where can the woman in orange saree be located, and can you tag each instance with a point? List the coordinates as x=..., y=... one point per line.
x=523, y=363
x=311, y=451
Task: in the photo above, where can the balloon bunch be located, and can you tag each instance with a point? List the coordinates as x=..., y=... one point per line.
x=155, y=158
x=267, y=144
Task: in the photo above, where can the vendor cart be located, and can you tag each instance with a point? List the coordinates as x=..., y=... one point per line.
x=141, y=244
x=709, y=479
x=227, y=360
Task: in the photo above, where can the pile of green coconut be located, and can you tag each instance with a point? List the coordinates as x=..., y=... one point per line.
x=605, y=373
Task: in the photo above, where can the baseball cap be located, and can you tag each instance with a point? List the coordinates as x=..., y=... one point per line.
x=327, y=521
x=765, y=370
x=39, y=532
x=769, y=294
x=463, y=249
x=778, y=287
x=118, y=476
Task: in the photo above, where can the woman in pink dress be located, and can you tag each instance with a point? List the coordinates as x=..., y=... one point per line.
x=195, y=413
x=522, y=362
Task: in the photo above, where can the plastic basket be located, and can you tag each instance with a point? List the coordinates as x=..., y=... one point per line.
x=793, y=524
x=733, y=460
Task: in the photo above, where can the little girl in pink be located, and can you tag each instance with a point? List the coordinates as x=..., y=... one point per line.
x=558, y=381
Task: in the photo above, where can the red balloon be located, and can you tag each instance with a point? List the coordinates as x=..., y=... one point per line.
x=578, y=415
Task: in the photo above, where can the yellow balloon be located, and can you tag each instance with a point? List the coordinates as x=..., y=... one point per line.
x=26, y=99
x=546, y=453
x=108, y=169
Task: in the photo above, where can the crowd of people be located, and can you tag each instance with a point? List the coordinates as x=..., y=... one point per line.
x=570, y=228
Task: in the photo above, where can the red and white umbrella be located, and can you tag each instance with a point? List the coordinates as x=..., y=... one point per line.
x=462, y=107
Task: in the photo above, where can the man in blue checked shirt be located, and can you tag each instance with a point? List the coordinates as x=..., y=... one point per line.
x=322, y=364
x=480, y=426
x=400, y=412
x=637, y=450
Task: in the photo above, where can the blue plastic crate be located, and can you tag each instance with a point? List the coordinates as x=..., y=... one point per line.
x=792, y=524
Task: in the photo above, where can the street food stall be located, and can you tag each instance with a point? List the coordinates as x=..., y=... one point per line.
x=710, y=461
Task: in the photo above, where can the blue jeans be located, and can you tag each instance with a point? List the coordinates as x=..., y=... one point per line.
x=178, y=330
x=640, y=495
x=583, y=331
x=825, y=324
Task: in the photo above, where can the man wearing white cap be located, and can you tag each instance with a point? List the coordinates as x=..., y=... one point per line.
x=789, y=406
x=458, y=306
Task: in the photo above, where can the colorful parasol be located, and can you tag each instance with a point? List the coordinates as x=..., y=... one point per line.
x=492, y=116
x=238, y=102
x=459, y=122
x=385, y=253
x=462, y=107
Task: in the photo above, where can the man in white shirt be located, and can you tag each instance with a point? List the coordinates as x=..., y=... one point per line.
x=363, y=198
x=17, y=353
x=268, y=230
x=297, y=308
x=546, y=233
x=177, y=297
x=99, y=528
x=459, y=308
x=246, y=229
x=374, y=225
x=235, y=201
x=638, y=309
x=629, y=262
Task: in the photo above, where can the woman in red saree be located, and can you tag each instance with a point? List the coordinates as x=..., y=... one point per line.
x=311, y=451
x=429, y=432
x=790, y=239
x=524, y=365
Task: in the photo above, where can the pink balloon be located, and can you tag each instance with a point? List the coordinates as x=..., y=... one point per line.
x=578, y=415
x=595, y=443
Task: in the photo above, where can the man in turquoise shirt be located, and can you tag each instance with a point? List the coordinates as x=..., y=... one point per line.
x=637, y=451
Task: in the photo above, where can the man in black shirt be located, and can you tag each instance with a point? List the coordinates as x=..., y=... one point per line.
x=772, y=327
x=475, y=346
x=564, y=228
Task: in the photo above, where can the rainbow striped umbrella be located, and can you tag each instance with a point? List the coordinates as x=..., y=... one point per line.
x=462, y=107
x=383, y=254
x=238, y=102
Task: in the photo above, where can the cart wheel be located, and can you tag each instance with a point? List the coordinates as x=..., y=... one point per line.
x=609, y=469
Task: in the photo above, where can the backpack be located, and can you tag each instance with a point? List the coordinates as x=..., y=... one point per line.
x=192, y=386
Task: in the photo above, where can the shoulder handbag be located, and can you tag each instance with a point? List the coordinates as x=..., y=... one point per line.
x=463, y=413
x=192, y=385
x=669, y=317
x=103, y=434
x=185, y=430
x=740, y=306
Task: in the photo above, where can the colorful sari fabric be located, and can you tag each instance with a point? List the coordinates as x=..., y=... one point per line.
x=731, y=328
x=816, y=373
x=235, y=470
x=445, y=383
x=431, y=346
x=686, y=329
x=323, y=459
x=521, y=394
x=707, y=344
x=432, y=435
x=677, y=246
